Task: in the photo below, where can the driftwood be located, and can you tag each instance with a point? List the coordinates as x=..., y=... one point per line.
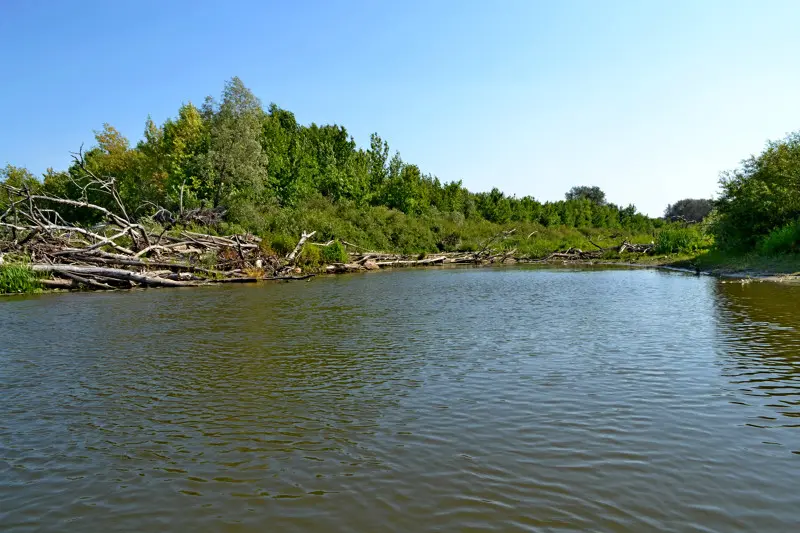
x=636, y=248
x=418, y=262
x=113, y=273
x=339, y=268
x=122, y=252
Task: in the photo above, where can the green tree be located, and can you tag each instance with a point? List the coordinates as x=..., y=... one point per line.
x=378, y=155
x=235, y=164
x=591, y=193
x=689, y=209
x=763, y=194
x=18, y=177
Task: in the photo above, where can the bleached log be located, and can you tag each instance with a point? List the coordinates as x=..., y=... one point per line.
x=292, y=257
x=114, y=273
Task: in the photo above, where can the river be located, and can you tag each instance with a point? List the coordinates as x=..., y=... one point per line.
x=496, y=399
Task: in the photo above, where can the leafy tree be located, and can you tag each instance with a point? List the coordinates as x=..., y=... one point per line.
x=494, y=206
x=235, y=163
x=689, y=210
x=592, y=193
x=174, y=155
x=18, y=177
x=763, y=194
x=378, y=155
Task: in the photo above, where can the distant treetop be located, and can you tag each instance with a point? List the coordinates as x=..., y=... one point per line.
x=689, y=209
x=586, y=192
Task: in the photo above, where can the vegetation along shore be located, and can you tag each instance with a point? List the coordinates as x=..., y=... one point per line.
x=231, y=192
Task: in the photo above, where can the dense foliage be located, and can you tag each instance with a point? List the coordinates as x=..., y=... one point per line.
x=585, y=192
x=276, y=177
x=759, y=206
x=689, y=210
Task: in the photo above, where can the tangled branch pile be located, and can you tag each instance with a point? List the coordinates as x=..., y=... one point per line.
x=576, y=254
x=485, y=255
x=120, y=252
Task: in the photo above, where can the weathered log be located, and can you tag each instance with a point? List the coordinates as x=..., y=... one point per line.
x=57, y=283
x=88, y=282
x=114, y=273
x=338, y=268
x=235, y=280
x=419, y=262
x=144, y=264
x=289, y=278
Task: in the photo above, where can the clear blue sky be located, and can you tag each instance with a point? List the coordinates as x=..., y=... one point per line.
x=648, y=99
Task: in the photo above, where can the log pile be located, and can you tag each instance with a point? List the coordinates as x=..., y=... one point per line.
x=636, y=248
x=120, y=252
x=576, y=254
x=485, y=255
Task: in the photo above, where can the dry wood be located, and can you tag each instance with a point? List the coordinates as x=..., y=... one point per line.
x=115, y=273
x=87, y=281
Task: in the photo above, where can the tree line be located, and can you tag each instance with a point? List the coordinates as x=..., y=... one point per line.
x=233, y=155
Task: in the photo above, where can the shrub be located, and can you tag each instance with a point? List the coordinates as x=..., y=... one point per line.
x=282, y=244
x=334, y=253
x=18, y=278
x=310, y=256
x=782, y=240
x=449, y=242
x=678, y=240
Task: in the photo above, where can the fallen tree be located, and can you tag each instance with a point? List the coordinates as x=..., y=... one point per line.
x=120, y=252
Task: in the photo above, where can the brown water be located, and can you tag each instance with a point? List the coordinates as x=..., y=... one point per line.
x=435, y=400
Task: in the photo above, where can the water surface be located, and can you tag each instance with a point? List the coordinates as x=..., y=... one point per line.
x=514, y=399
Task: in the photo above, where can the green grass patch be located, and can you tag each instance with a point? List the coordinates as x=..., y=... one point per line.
x=722, y=262
x=681, y=240
x=16, y=279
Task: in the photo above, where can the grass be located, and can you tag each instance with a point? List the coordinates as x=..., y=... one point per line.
x=15, y=279
x=719, y=262
x=682, y=240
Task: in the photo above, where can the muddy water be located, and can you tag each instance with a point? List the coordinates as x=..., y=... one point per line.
x=433, y=400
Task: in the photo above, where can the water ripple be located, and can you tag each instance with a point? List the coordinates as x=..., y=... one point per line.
x=438, y=400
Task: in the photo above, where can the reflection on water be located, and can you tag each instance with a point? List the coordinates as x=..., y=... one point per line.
x=512, y=399
x=760, y=336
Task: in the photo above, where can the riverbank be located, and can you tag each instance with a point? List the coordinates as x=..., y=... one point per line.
x=129, y=255
x=782, y=269
x=769, y=268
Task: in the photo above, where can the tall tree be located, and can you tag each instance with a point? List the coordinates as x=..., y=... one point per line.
x=378, y=161
x=235, y=163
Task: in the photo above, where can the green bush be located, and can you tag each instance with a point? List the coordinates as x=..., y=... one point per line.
x=782, y=240
x=334, y=253
x=678, y=240
x=758, y=198
x=282, y=244
x=310, y=256
x=18, y=279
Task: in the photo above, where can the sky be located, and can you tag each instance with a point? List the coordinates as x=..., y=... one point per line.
x=649, y=100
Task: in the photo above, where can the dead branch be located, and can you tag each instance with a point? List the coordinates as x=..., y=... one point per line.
x=292, y=257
